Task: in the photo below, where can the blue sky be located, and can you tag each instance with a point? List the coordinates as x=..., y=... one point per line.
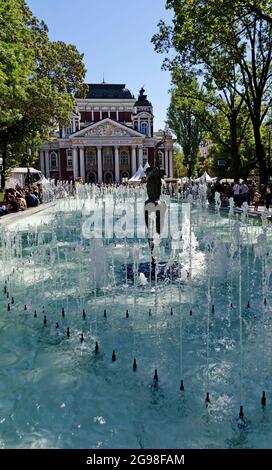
x=114, y=36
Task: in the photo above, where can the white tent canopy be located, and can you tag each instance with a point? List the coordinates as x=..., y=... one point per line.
x=18, y=176
x=24, y=170
x=138, y=175
x=146, y=166
x=205, y=178
x=43, y=181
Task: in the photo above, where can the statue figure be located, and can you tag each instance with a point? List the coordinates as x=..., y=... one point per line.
x=154, y=208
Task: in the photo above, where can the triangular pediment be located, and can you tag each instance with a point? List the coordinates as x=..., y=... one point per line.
x=107, y=128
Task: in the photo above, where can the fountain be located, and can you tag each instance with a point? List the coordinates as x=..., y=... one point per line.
x=100, y=345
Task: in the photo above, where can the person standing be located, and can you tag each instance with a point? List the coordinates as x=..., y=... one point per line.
x=256, y=200
x=236, y=193
x=267, y=195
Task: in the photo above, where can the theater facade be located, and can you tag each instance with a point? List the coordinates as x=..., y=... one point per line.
x=110, y=136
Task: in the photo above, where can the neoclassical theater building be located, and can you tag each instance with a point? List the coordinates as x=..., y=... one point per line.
x=110, y=136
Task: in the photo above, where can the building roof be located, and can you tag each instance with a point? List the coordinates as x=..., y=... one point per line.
x=142, y=99
x=108, y=91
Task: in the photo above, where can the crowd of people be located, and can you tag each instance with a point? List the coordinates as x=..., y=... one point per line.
x=241, y=192
x=246, y=191
x=20, y=199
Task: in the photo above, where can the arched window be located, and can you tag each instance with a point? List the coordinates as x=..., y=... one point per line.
x=145, y=156
x=53, y=161
x=107, y=158
x=108, y=178
x=124, y=158
x=90, y=159
x=92, y=177
x=161, y=157
x=144, y=128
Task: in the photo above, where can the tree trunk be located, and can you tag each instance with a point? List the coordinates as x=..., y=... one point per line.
x=236, y=158
x=260, y=155
x=3, y=174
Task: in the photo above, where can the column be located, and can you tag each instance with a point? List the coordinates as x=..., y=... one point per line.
x=75, y=163
x=170, y=153
x=166, y=157
x=82, y=164
x=47, y=168
x=133, y=161
x=140, y=156
x=42, y=162
x=116, y=164
x=117, y=115
x=99, y=164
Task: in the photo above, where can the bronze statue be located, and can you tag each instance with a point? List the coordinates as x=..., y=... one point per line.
x=153, y=203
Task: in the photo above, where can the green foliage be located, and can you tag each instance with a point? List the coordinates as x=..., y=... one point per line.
x=186, y=125
x=180, y=169
x=227, y=46
x=38, y=81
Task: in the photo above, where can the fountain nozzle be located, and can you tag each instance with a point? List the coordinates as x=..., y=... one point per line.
x=113, y=356
x=68, y=332
x=171, y=312
x=156, y=378
x=105, y=313
x=181, y=386
x=84, y=314
x=81, y=338
x=44, y=320
x=127, y=315
x=63, y=312
x=241, y=414
x=207, y=399
x=134, y=365
x=248, y=304
x=96, y=347
x=8, y=307
x=263, y=399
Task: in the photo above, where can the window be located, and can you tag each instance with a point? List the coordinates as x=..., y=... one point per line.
x=53, y=161
x=124, y=158
x=90, y=158
x=69, y=159
x=107, y=158
x=145, y=156
x=144, y=128
x=160, y=154
x=69, y=130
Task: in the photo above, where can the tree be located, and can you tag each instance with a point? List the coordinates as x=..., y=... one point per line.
x=38, y=80
x=187, y=127
x=229, y=48
x=180, y=169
